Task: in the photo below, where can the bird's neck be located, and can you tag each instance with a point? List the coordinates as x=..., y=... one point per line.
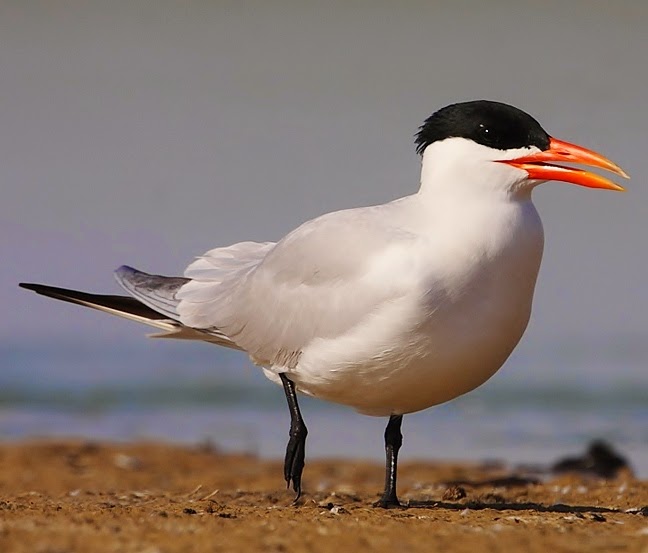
x=444, y=178
x=474, y=205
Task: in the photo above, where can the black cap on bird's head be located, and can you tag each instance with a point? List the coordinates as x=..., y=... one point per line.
x=491, y=124
x=503, y=127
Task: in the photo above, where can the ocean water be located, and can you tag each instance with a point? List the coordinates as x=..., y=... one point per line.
x=541, y=406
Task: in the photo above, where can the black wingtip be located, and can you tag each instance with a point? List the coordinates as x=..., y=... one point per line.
x=31, y=286
x=52, y=291
x=125, y=304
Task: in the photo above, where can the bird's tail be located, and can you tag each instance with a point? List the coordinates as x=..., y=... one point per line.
x=133, y=309
x=122, y=306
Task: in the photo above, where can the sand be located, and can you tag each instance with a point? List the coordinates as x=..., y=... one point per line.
x=58, y=497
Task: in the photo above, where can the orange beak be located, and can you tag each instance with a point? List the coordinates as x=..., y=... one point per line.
x=539, y=166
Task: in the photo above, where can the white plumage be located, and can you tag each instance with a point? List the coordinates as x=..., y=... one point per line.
x=392, y=308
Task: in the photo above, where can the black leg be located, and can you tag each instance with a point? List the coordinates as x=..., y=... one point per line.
x=393, y=442
x=296, y=449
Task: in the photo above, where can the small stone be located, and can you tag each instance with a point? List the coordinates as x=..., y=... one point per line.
x=126, y=462
x=454, y=493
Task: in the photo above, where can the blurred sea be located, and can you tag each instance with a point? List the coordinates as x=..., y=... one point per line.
x=191, y=393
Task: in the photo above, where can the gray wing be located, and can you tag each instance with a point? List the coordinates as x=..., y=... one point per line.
x=155, y=291
x=318, y=282
x=160, y=293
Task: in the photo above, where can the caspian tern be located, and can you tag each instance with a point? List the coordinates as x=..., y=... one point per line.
x=389, y=309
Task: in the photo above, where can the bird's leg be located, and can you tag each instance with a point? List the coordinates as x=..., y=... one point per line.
x=393, y=442
x=296, y=449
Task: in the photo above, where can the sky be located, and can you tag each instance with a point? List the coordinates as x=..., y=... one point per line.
x=146, y=133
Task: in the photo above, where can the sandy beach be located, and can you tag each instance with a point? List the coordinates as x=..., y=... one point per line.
x=70, y=496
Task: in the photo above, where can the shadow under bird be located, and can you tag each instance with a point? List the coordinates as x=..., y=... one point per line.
x=389, y=309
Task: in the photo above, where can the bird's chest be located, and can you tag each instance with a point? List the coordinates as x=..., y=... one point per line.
x=462, y=305
x=479, y=295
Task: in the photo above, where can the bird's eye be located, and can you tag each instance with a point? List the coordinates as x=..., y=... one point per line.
x=483, y=129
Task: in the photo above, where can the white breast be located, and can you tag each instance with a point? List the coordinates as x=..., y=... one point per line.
x=472, y=280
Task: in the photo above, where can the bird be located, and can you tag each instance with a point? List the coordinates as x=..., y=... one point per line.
x=388, y=309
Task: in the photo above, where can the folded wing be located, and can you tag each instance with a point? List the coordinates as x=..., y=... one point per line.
x=318, y=282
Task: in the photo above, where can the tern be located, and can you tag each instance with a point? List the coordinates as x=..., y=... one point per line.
x=389, y=309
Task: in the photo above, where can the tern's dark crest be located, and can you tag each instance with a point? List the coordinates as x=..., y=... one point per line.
x=491, y=124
